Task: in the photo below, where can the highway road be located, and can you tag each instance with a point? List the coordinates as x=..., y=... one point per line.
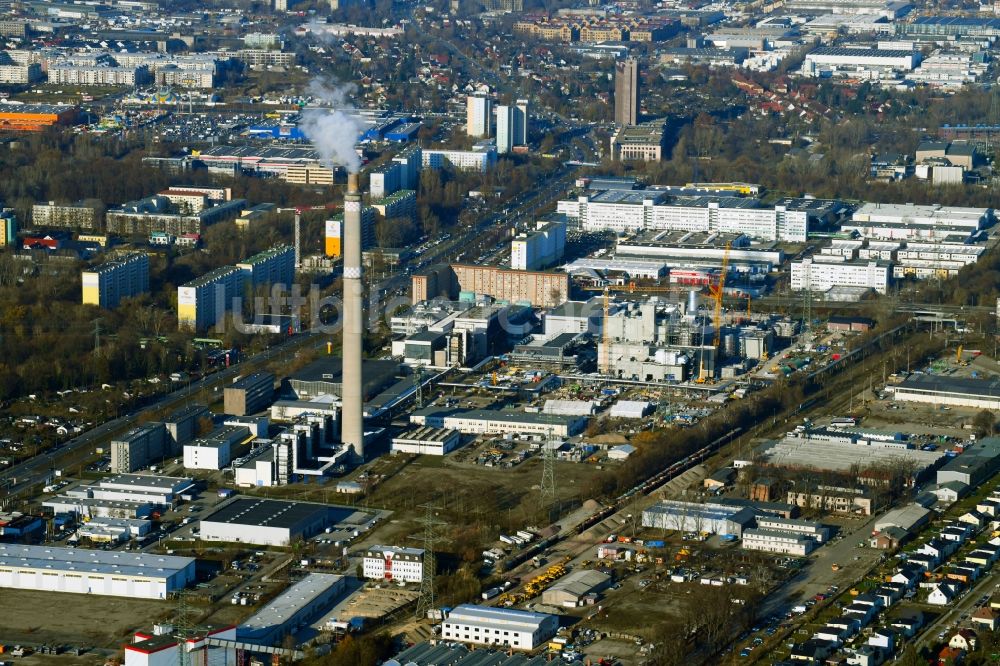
x=38, y=468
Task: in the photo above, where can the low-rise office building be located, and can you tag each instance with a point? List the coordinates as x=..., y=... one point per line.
x=216, y=450
x=427, y=441
x=138, y=448
x=483, y=625
x=496, y=422
x=393, y=563
x=778, y=541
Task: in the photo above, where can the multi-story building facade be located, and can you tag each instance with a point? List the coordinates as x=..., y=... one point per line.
x=99, y=75
x=512, y=126
x=138, y=448
x=470, y=160
x=393, y=563
x=822, y=273
x=478, y=112
x=205, y=300
x=106, y=285
x=76, y=216
x=540, y=248
x=630, y=212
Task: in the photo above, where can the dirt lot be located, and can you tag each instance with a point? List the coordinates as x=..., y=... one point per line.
x=95, y=621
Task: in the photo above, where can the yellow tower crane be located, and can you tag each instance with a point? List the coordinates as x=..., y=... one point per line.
x=715, y=292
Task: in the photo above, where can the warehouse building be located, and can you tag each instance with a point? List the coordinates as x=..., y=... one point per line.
x=841, y=452
x=160, y=491
x=393, y=563
x=55, y=569
x=708, y=518
x=87, y=507
x=453, y=654
x=910, y=518
x=138, y=448
x=292, y=609
x=267, y=522
x=957, y=392
x=495, y=422
x=36, y=117
x=574, y=589
x=972, y=467
x=427, y=441
x=249, y=395
x=483, y=625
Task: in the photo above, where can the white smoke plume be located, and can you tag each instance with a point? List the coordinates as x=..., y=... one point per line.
x=331, y=130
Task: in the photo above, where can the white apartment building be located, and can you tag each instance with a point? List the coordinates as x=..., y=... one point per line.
x=774, y=541
x=631, y=215
x=540, y=248
x=97, y=75
x=483, y=625
x=15, y=73
x=469, y=160
x=822, y=273
x=478, y=112
x=512, y=126
x=393, y=563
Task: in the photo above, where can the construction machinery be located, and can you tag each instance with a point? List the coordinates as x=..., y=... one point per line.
x=715, y=292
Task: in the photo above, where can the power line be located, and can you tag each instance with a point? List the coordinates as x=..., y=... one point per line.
x=547, y=488
x=431, y=523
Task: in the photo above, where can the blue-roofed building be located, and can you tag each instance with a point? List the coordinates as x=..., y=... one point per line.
x=403, y=133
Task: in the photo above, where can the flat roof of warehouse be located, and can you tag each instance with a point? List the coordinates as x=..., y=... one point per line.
x=269, y=512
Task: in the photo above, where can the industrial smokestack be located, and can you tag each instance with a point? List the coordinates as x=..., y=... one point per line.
x=353, y=428
x=298, y=239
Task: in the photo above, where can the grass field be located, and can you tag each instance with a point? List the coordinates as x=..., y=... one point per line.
x=75, y=619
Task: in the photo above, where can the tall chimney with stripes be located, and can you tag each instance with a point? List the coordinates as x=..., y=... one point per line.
x=352, y=416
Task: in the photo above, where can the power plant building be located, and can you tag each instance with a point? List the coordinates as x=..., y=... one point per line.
x=106, y=285
x=119, y=574
x=216, y=450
